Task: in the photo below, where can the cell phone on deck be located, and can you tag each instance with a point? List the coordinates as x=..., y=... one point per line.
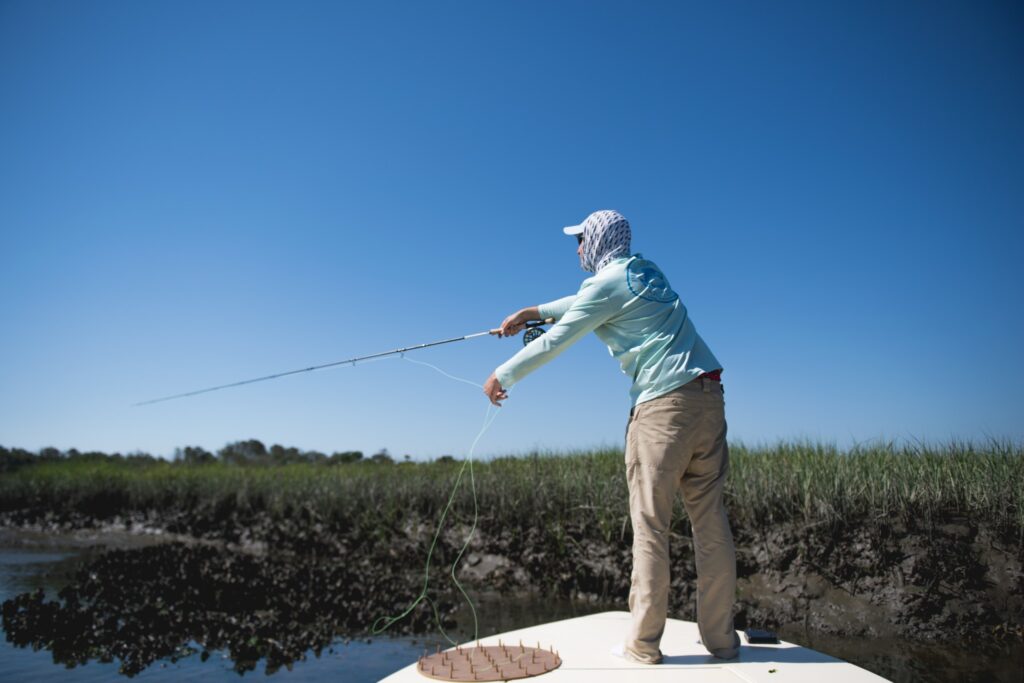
x=756, y=636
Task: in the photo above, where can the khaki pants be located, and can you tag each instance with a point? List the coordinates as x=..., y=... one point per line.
x=676, y=442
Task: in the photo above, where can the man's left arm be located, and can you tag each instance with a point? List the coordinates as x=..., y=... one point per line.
x=590, y=308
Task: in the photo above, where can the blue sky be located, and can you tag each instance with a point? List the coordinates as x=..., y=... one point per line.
x=197, y=193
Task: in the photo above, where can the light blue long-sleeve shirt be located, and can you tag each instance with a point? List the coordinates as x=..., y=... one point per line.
x=630, y=306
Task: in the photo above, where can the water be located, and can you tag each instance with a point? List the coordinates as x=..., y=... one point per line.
x=29, y=562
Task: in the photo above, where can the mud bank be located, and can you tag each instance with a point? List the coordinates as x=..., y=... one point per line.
x=869, y=578
x=274, y=588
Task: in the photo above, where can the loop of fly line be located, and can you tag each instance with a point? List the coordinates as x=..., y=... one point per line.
x=533, y=330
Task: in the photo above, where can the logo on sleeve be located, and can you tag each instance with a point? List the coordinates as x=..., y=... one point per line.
x=646, y=281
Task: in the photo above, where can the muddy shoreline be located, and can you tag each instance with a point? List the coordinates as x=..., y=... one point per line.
x=272, y=588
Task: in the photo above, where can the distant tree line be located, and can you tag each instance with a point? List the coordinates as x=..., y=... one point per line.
x=251, y=452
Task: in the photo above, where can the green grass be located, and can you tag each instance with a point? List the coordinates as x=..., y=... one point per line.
x=802, y=481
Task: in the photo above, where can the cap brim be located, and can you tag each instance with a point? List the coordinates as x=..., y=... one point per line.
x=573, y=230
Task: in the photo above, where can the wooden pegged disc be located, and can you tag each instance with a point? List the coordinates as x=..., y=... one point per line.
x=489, y=663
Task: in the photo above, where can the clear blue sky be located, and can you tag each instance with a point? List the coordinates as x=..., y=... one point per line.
x=193, y=193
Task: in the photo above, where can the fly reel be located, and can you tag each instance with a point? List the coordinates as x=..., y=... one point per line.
x=534, y=329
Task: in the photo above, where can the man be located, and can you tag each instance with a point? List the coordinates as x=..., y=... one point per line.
x=675, y=440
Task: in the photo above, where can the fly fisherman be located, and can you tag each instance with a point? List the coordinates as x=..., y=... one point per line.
x=675, y=440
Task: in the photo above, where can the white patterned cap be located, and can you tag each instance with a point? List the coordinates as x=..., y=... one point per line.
x=606, y=236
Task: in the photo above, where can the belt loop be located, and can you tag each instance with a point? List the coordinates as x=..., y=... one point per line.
x=705, y=384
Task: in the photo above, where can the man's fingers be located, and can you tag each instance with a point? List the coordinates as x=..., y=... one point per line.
x=507, y=329
x=497, y=397
x=493, y=390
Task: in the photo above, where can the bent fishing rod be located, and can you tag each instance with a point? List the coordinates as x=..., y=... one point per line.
x=533, y=330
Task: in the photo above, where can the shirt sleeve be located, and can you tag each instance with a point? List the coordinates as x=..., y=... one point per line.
x=591, y=307
x=556, y=309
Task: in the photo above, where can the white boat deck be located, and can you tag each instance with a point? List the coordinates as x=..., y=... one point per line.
x=585, y=643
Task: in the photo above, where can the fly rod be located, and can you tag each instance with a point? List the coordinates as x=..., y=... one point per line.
x=534, y=330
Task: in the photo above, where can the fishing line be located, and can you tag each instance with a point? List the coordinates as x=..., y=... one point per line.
x=489, y=416
x=449, y=376
x=347, y=361
x=534, y=328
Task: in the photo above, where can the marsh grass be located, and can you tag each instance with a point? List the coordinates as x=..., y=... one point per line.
x=788, y=481
x=815, y=482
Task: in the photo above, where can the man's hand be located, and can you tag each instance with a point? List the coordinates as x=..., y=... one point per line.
x=492, y=387
x=513, y=324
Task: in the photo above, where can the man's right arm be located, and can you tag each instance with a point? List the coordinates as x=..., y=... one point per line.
x=589, y=309
x=511, y=325
x=514, y=323
x=555, y=309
